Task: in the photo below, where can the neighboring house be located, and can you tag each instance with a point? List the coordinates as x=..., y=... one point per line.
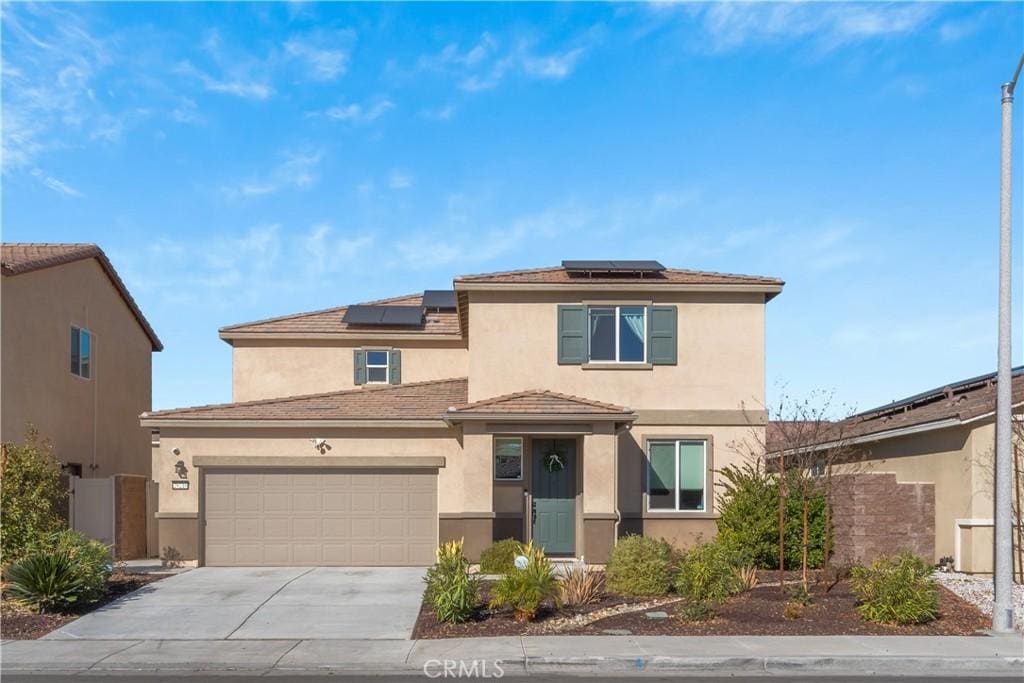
x=76, y=364
x=567, y=405
x=937, y=449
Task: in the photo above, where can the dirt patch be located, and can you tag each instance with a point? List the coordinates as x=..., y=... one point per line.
x=19, y=623
x=756, y=612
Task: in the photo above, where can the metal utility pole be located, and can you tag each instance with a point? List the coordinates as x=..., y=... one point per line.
x=1002, y=611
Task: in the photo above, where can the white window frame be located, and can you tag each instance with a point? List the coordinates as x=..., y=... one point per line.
x=704, y=465
x=618, y=322
x=386, y=366
x=91, y=364
x=494, y=458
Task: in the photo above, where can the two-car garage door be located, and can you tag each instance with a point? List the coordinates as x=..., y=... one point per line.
x=276, y=517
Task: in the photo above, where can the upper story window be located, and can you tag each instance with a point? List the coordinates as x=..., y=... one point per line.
x=81, y=352
x=618, y=334
x=378, y=366
x=677, y=475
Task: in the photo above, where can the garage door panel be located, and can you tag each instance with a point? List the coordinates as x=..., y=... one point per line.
x=275, y=517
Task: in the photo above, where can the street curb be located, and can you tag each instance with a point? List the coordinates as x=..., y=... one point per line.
x=652, y=665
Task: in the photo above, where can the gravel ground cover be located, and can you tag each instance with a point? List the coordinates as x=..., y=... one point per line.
x=978, y=591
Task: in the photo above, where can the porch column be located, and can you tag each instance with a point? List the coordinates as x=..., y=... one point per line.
x=599, y=449
x=474, y=522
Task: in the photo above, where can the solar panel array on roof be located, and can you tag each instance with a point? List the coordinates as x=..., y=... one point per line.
x=439, y=299
x=613, y=266
x=383, y=315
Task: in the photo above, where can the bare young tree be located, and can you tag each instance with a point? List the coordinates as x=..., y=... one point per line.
x=986, y=465
x=804, y=441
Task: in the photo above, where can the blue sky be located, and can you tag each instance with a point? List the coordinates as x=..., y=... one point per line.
x=242, y=161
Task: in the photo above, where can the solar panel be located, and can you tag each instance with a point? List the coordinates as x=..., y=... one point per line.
x=614, y=266
x=440, y=299
x=383, y=315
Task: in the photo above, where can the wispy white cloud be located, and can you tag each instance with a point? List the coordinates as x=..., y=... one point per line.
x=399, y=180
x=827, y=26
x=237, y=85
x=360, y=113
x=58, y=186
x=445, y=113
x=325, y=54
x=298, y=170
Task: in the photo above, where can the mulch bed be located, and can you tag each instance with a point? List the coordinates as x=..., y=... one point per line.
x=19, y=623
x=757, y=613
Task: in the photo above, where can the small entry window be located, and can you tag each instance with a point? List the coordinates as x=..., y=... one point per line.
x=508, y=458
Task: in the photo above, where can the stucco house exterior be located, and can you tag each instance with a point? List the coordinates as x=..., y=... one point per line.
x=569, y=405
x=940, y=444
x=76, y=358
x=76, y=364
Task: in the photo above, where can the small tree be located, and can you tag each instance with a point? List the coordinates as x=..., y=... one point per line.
x=802, y=445
x=30, y=491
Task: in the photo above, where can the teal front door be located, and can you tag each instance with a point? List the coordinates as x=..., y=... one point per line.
x=554, y=495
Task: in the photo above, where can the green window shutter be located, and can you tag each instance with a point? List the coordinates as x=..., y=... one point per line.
x=359, y=364
x=572, y=338
x=395, y=366
x=662, y=338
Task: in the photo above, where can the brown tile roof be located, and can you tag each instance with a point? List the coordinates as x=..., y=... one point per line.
x=18, y=258
x=538, y=403
x=959, y=401
x=328, y=321
x=559, y=275
x=415, y=401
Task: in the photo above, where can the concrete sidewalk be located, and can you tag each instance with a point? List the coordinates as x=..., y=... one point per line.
x=591, y=655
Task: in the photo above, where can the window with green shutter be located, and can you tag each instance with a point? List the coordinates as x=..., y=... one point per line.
x=378, y=366
x=677, y=475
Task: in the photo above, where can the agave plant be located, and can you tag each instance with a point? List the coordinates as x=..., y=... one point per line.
x=45, y=581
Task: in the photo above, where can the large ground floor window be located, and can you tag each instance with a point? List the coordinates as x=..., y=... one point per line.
x=677, y=475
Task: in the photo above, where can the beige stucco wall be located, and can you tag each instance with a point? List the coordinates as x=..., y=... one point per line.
x=297, y=442
x=721, y=351
x=958, y=461
x=92, y=421
x=272, y=369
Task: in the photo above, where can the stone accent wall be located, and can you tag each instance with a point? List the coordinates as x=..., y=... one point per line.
x=130, y=516
x=873, y=514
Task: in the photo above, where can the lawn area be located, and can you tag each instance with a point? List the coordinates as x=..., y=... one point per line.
x=20, y=623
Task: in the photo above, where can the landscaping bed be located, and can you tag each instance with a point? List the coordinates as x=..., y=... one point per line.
x=754, y=612
x=19, y=623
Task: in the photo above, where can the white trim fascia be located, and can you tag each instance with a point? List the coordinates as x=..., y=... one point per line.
x=353, y=336
x=617, y=286
x=277, y=424
x=985, y=416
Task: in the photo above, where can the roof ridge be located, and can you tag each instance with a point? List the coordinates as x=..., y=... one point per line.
x=301, y=397
x=79, y=251
x=518, y=271
x=330, y=309
x=540, y=392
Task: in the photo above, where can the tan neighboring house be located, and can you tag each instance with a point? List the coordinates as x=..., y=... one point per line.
x=76, y=363
x=567, y=405
x=938, y=443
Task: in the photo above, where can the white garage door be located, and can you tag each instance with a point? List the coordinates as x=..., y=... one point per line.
x=274, y=517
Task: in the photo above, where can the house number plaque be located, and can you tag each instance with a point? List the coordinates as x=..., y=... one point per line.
x=179, y=485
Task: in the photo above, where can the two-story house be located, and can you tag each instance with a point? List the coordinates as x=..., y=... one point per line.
x=75, y=364
x=567, y=405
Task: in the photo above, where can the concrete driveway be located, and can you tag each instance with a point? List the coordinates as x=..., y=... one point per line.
x=216, y=603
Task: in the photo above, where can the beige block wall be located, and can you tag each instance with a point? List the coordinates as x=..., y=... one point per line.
x=88, y=421
x=721, y=351
x=272, y=369
x=297, y=442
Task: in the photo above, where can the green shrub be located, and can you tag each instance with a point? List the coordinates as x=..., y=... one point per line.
x=524, y=590
x=896, y=589
x=641, y=565
x=799, y=595
x=695, y=610
x=92, y=561
x=708, y=573
x=31, y=488
x=46, y=581
x=499, y=557
x=749, y=507
x=451, y=592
